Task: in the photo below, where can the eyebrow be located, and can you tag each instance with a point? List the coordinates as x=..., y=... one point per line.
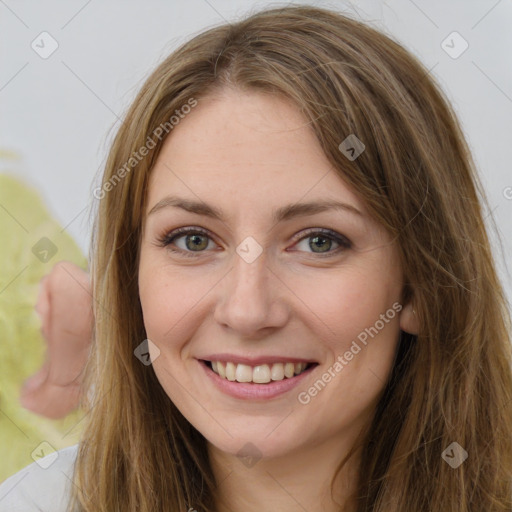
x=281, y=214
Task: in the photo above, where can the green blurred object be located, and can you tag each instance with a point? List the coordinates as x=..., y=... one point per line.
x=31, y=242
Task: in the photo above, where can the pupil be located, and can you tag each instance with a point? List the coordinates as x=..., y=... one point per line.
x=196, y=240
x=316, y=244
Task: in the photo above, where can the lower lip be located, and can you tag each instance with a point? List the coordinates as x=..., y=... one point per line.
x=252, y=391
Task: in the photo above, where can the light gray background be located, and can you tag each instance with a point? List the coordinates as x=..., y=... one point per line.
x=61, y=113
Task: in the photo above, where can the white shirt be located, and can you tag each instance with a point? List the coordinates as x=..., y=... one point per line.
x=43, y=486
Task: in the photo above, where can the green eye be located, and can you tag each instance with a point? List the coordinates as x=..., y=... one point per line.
x=197, y=241
x=322, y=239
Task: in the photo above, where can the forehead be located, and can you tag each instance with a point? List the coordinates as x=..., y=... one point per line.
x=248, y=149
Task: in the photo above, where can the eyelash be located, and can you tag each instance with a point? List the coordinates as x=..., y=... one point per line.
x=167, y=239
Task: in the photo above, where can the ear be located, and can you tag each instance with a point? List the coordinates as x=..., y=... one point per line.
x=409, y=319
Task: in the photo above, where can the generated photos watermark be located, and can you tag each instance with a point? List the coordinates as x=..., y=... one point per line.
x=44, y=455
x=304, y=397
x=158, y=133
x=454, y=455
x=147, y=352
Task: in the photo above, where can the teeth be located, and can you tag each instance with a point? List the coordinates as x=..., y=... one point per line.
x=299, y=368
x=277, y=372
x=261, y=374
x=243, y=373
x=289, y=370
x=230, y=371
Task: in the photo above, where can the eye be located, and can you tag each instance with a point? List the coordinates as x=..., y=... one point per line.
x=322, y=239
x=195, y=241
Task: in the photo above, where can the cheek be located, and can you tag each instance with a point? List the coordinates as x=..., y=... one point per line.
x=166, y=299
x=359, y=313
x=173, y=306
x=363, y=357
x=360, y=358
x=342, y=305
x=161, y=307
x=156, y=302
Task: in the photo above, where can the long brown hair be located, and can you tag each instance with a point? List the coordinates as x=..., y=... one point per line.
x=450, y=383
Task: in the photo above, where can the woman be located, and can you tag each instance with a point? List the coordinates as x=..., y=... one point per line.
x=240, y=359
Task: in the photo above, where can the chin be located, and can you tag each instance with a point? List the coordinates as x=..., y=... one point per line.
x=251, y=447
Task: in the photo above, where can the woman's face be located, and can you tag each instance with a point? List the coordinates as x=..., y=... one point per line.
x=263, y=286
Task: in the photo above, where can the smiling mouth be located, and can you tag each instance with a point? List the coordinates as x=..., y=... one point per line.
x=260, y=374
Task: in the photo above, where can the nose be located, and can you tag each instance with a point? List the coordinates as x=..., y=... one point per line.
x=252, y=300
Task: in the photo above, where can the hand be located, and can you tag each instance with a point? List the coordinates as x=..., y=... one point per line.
x=65, y=308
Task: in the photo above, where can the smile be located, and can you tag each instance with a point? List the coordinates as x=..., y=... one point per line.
x=259, y=374
x=256, y=378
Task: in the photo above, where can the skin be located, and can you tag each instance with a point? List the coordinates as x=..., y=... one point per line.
x=248, y=154
x=64, y=306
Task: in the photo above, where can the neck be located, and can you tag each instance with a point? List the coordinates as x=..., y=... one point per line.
x=298, y=481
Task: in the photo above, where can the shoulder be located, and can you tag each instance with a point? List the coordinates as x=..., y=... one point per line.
x=43, y=486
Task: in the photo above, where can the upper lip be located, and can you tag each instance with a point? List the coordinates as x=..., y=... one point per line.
x=254, y=361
